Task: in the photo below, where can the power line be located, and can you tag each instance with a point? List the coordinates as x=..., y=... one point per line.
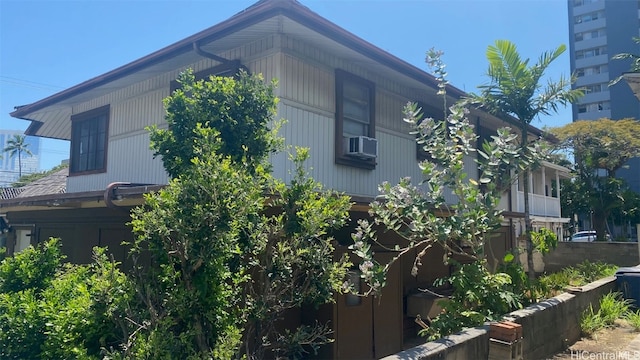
x=29, y=84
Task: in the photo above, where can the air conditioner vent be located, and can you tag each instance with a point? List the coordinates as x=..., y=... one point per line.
x=363, y=147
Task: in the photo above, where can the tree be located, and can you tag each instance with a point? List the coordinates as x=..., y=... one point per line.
x=600, y=148
x=421, y=216
x=232, y=248
x=515, y=90
x=17, y=145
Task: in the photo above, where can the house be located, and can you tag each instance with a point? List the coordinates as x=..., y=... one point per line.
x=342, y=97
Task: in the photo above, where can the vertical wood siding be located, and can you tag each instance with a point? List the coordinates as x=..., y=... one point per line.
x=307, y=91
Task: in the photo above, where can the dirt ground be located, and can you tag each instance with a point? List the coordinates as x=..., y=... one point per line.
x=605, y=344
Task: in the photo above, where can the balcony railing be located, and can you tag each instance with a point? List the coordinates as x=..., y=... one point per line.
x=540, y=205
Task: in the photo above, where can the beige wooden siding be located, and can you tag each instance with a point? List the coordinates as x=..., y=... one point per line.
x=314, y=130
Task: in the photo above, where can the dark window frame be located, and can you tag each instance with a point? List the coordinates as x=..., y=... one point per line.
x=230, y=68
x=342, y=77
x=77, y=122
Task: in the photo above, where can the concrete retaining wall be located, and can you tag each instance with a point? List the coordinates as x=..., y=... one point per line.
x=573, y=253
x=548, y=328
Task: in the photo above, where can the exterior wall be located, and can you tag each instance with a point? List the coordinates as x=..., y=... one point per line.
x=307, y=92
x=547, y=327
x=573, y=253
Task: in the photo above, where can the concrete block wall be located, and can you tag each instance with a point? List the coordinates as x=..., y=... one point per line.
x=548, y=328
x=572, y=253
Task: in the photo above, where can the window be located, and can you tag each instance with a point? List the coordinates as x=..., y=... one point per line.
x=355, y=116
x=227, y=69
x=589, y=17
x=89, y=141
x=595, y=88
x=581, y=54
x=599, y=106
x=592, y=34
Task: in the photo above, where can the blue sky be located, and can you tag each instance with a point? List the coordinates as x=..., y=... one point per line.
x=48, y=46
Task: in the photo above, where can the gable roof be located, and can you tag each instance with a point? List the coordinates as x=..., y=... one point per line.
x=265, y=16
x=254, y=21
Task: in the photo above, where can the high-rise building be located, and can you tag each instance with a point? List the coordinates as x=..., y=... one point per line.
x=598, y=30
x=9, y=167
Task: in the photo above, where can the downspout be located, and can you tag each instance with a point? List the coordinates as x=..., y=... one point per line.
x=199, y=51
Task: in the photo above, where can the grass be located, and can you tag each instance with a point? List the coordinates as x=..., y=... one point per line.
x=633, y=317
x=612, y=308
x=581, y=274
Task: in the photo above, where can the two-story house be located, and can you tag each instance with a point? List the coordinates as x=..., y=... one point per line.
x=342, y=97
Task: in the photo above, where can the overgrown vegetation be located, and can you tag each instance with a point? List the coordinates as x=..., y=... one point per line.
x=53, y=310
x=423, y=217
x=232, y=249
x=550, y=285
x=612, y=307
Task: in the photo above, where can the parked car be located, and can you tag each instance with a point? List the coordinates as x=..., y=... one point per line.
x=586, y=236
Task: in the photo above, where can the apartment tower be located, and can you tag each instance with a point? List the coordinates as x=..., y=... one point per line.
x=598, y=30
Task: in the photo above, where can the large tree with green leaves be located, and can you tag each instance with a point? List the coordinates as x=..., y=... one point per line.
x=600, y=148
x=421, y=216
x=17, y=146
x=233, y=249
x=517, y=89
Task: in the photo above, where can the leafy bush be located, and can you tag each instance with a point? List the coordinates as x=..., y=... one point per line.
x=53, y=310
x=478, y=296
x=32, y=268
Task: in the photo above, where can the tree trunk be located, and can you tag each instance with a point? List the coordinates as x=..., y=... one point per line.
x=528, y=228
x=600, y=217
x=19, y=165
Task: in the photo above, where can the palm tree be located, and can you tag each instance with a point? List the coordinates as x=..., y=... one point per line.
x=515, y=90
x=17, y=145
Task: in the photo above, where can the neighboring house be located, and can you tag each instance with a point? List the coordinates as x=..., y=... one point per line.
x=336, y=91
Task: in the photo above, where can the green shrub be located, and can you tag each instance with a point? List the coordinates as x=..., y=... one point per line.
x=612, y=307
x=633, y=317
x=590, y=322
x=51, y=310
x=478, y=296
x=551, y=284
x=32, y=268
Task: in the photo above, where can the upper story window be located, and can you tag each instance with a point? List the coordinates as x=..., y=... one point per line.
x=592, y=70
x=230, y=68
x=355, y=143
x=598, y=106
x=589, y=17
x=89, y=131
x=587, y=53
x=591, y=34
x=595, y=88
x=583, y=2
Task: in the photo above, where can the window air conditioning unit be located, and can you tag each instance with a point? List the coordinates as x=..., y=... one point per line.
x=363, y=147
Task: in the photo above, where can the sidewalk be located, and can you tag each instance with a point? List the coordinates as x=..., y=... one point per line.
x=633, y=349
